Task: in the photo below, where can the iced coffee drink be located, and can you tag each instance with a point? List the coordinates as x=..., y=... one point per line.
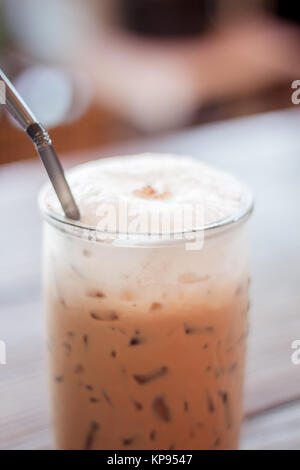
x=146, y=335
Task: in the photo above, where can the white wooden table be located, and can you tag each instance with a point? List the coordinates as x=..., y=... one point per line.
x=265, y=152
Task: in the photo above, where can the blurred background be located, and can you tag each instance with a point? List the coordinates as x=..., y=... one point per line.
x=99, y=72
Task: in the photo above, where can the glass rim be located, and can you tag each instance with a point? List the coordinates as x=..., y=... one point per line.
x=239, y=216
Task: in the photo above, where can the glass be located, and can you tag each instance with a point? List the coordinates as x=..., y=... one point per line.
x=146, y=339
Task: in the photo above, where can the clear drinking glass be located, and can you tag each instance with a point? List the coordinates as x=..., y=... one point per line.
x=146, y=339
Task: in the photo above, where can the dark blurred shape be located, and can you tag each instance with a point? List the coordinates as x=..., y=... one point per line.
x=288, y=10
x=166, y=18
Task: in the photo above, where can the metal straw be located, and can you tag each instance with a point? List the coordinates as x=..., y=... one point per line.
x=42, y=142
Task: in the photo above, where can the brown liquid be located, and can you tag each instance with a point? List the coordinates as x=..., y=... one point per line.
x=166, y=376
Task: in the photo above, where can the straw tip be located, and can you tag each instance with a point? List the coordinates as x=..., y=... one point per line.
x=73, y=213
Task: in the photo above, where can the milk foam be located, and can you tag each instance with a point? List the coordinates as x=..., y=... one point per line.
x=150, y=183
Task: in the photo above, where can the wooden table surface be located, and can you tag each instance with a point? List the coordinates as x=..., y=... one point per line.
x=264, y=151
